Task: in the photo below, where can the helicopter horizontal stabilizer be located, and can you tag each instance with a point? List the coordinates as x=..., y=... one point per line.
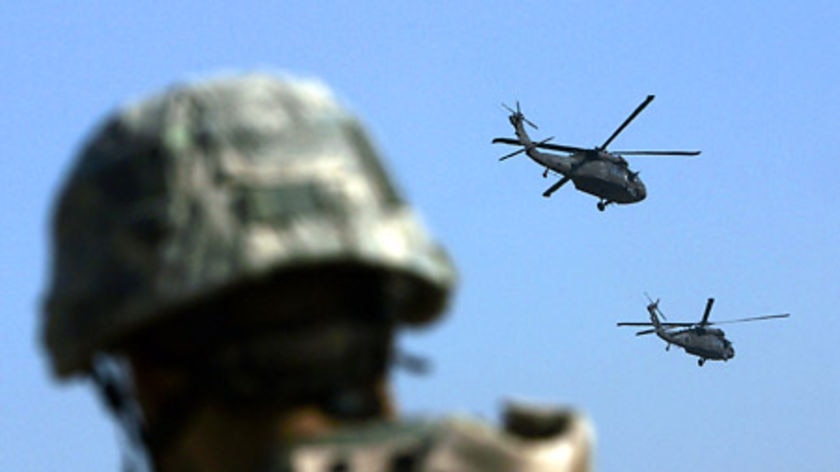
x=514, y=153
x=513, y=141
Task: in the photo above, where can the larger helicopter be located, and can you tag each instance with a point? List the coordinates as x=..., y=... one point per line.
x=595, y=171
x=696, y=338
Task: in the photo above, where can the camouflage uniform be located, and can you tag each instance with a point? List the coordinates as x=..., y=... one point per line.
x=220, y=190
x=535, y=439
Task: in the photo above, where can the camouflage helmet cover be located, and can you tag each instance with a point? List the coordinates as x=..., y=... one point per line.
x=216, y=182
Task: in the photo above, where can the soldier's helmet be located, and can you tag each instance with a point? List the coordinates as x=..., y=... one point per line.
x=214, y=183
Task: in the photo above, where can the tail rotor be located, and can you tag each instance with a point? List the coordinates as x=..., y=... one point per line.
x=655, y=306
x=518, y=115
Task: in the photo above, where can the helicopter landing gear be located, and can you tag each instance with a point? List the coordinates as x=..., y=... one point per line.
x=603, y=204
x=701, y=361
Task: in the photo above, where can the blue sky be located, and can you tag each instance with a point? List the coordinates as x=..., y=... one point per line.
x=753, y=222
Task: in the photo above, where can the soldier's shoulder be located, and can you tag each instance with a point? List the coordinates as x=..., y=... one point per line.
x=533, y=438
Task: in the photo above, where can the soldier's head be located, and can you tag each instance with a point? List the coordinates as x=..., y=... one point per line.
x=242, y=230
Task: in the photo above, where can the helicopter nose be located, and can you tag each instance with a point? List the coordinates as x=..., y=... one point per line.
x=641, y=192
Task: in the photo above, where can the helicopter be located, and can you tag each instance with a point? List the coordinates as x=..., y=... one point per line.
x=595, y=171
x=696, y=338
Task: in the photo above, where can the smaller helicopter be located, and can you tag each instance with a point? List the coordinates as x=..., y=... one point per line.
x=595, y=171
x=696, y=338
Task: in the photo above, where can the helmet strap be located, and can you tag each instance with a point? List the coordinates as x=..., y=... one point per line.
x=144, y=441
x=111, y=380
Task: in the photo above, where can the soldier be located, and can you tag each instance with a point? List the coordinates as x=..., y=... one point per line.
x=230, y=264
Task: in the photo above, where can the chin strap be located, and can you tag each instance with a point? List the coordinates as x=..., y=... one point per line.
x=111, y=380
x=142, y=441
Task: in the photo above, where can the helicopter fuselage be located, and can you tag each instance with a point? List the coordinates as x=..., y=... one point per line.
x=706, y=343
x=599, y=173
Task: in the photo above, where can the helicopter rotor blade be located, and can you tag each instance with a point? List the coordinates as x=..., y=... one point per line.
x=705, y=320
x=664, y=325
x=657, y=153
x=556, y=186
x=645, y=331
x=654, y=304
x=562, y=148
x=518, y=113
x=630, y=118
x=753, y=318
x=658, y=310
x=542, y=145
x=526, y=120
